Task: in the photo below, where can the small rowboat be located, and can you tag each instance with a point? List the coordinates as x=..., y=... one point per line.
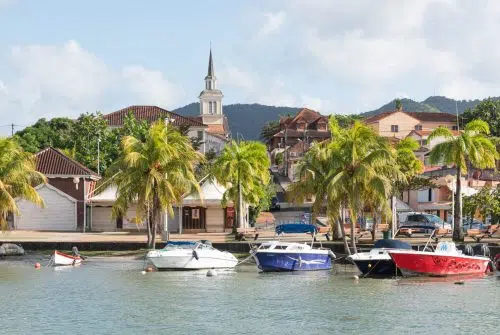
x=60, y=258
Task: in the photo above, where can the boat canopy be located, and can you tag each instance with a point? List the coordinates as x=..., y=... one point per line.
x=184, y=244
x=295, y=228
x=392, y=244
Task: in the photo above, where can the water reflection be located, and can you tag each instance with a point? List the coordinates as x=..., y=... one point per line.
x=113, y=296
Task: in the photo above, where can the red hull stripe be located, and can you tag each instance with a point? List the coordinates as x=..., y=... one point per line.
x=439, y=265
x=66, y=255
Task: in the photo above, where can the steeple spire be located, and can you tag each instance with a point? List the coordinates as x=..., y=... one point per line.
x=210, y=65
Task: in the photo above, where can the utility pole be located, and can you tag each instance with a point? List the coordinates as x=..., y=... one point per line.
x=98, y=155
x=12, y=129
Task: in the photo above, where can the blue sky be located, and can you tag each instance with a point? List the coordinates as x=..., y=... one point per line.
x=62, y=58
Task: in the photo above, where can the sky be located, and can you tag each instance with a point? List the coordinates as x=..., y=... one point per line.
x=64, y=58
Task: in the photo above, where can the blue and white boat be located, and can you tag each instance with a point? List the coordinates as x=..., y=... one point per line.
x=292, y=256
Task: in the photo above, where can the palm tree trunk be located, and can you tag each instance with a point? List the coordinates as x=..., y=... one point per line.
x=458, y=235
x=342, y=229
x=148, y=228
x=353, y=230
x=337, y=230
x=374, y=227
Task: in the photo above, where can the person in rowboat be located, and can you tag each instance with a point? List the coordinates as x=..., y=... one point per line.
x=76, y=253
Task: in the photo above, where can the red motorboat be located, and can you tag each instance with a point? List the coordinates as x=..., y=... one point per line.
x=446, y=260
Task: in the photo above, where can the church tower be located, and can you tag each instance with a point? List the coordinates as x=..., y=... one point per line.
x=211, y=102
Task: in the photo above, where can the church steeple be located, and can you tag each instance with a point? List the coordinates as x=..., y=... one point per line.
x=211, y=97
x=210, y=79
x=210, y=65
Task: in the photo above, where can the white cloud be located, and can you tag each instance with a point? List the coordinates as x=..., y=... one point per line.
x=273, y=23
x=66, y=80
x=378, y=49
x=150, y=86
x=234, y=76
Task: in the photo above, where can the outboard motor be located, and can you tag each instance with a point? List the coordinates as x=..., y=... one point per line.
x=75, y=252
x=468, y=250
x=485, y=250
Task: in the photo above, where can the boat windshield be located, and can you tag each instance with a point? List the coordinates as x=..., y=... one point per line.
x=175, y=245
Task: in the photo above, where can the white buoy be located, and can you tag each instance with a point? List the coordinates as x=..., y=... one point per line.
x=211, y=273
x=143, y=272
x=355, y=277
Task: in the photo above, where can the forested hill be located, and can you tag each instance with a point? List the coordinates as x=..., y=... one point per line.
x=244, y=119
x=431, y=104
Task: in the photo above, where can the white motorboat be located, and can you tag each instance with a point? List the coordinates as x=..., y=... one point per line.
x=190, y=255
x=378, y=262
x=60, y=258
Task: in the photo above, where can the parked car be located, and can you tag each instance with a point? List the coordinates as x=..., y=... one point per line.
x=275, y=205
x=425, y=222
x=474, y=224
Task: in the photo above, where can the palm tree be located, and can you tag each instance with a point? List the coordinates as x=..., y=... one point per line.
x=470, y=146
x=355, y=166
x=243, y=168
x=154, y=174
x=362, y=166
x=18, y=177
x=312, y=170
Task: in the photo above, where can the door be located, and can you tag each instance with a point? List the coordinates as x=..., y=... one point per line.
x=193, y=218
x=102, y=219
x=59, y=212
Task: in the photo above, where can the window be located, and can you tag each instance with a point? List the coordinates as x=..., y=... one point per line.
x=394, y=128
x=215, y=107
x=210, y=107
x=195, y=213
x=418, y=127
x=454, y=128
x=425, y=195
x=200, y=134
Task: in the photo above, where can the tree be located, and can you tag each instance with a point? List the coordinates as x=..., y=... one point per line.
x=264, y=203
x=398, y=104
x=88, y=130
x=56, y=133
x=487, y=110
x=243, y=168
x=471, y=146
x=154, y=173
x=18, y=177
x=486, y=202
x=363, y=167
x=269, y=129
x=346, y=121
x=357, y=165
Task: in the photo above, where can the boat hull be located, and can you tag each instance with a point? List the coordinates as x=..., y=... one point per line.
x=432, y=264
x=62, y=259
x=374, y=267
x=268, y=261
x=167, y=261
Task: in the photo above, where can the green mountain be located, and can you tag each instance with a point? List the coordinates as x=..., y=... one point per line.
x=244, y=120
x=408, y=105
x=448, y=105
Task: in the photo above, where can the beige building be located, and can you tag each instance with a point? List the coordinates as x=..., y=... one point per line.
x=400, y=124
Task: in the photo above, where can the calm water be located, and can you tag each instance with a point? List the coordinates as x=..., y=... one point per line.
x=113, y=297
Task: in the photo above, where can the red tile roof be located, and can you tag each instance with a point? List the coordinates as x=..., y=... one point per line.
x=53, y=162
x=421, y=116
x=150, y=114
